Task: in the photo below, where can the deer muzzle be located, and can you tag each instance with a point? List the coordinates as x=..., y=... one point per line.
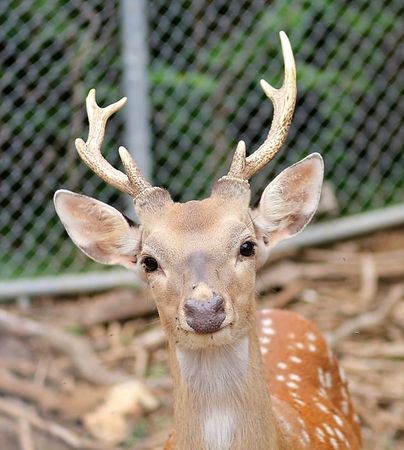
x=205, y=316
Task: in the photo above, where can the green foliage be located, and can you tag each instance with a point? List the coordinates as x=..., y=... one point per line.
x=139, y=431
x=340, y=52
x=52, y=54
x=156, y=370
x=76, y=330
x=205, y=62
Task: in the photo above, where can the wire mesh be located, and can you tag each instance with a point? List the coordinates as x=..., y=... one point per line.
x=205, y=60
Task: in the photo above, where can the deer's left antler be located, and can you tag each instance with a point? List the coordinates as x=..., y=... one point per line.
x=283, y=99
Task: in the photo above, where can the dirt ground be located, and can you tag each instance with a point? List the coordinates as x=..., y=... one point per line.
x=90, y=372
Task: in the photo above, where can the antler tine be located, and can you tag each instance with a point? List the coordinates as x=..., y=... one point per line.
x=283, y=100
x=137, y=180
x=90, y=152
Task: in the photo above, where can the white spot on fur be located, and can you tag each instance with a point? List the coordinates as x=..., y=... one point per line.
x=267, y=322
x=292, y=385
x=334, y=443
x=322, y=408
x=265, y=340
x=299, y=345
x=344, y=392
x=321, y=377
x=328, y=380
x=291, y=335
x=345, y=407
x=312, y=348
x=306, y=437
x=342, y=374
x=268, y=330
x=340, y=435
x=322, y=393
x=328, y=429
x=338, y=420
x=280, y=377
x=311, y=336
x=320, y=434
x=295, y=359
x=264, y=350
x=282, y=365
x=295, y=377
x=302, y=422
x=285, y=425
x=296, y=398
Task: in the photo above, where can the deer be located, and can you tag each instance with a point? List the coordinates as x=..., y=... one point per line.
x=243, y=378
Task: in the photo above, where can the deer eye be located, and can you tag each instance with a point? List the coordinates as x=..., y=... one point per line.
x=150, y=264
x=247, y=249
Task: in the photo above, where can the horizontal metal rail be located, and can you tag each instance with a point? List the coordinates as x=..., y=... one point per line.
x=315, y=234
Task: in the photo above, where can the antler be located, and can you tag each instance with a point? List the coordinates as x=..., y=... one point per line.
x=90, y=152
x=284, y=100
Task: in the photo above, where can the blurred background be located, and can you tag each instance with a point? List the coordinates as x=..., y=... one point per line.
x=190, y=70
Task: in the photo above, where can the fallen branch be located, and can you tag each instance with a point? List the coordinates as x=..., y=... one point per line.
x=375, y=392
x=19, y=413
x=77, y=348
x=286, y=272
x=368, y=320
x=12, y=385
x=111, y=306
x=373, y=365
x=373, y=349
x=25, y=435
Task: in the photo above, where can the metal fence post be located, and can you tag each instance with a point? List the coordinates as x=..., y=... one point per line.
x=135, y=60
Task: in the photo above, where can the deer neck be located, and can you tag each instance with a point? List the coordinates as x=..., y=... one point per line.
x=221, y=398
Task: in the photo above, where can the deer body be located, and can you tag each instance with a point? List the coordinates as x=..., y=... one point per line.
x=241, y=380
x=292, y=394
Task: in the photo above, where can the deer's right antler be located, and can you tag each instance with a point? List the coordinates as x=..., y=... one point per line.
x=284, y=100
x=134, y=182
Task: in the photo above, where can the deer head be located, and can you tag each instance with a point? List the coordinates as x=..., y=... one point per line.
x=198, y=258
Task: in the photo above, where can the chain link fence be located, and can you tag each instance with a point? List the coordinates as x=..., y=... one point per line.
x=204, y=62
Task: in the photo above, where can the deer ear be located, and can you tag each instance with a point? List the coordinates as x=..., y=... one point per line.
x=99, y=230
x=289, y=202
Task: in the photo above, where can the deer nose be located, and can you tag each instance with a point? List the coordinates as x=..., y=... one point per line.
x=205, y=316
